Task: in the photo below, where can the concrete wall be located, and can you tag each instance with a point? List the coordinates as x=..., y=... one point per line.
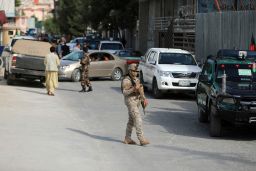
x=216, y=31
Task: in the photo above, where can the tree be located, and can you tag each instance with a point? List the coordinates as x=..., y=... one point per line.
x=17, y=3
x=51, y=26
x=76, y=15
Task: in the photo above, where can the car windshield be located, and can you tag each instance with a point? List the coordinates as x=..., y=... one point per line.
x=111, y=46
x=93, y=45
x=236, y=72
x=74, y=56
x=77, y=40
x=124, y=54
x=176, y=58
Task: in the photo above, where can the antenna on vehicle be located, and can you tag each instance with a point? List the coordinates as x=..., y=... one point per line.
x=224, y=82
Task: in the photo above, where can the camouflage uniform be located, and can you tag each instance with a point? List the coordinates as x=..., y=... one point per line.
x=132, y=99
x=85, y=62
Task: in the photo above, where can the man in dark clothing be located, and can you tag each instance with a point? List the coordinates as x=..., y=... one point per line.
x=65, y=49
x=85, y=62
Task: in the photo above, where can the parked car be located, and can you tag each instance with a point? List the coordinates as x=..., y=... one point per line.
x=93, y=44
x=73, y=42
x=226, y=90
x=129, y=55
x=166, y=69
x=26, y=61
x=110, y=46
x=103, y=64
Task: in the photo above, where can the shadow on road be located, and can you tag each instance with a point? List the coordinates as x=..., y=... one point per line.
x=176, y=96
x=32, y=91
x=199, y=155
x=184, y=122
x=103, y=138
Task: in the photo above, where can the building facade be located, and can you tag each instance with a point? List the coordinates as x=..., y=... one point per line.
x=166, y=23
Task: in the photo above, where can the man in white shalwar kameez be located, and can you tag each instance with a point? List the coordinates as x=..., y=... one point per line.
x=51, y=63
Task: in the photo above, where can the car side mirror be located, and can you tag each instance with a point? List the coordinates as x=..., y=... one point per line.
x=199, y=64
x=153, y=62
x=203, y=78
x=7, y=49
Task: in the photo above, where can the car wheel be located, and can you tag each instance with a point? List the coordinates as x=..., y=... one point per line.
x=76, y=75
x=5, y=74
x=202, y=116
x=156, y=92
x=117, y=74
x=10, y=81
x=215, y=123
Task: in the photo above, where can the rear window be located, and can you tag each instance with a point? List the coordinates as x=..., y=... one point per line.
x=236, y=72
x=176, y=58
x=111, y=46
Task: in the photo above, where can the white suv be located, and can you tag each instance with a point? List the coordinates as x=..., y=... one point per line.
x=165, y=69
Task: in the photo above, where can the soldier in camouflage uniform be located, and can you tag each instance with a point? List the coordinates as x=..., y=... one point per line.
x=133, y=95
x=85, y=62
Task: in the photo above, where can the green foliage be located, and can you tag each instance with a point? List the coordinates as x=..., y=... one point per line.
x=17, y=3
x=75, y=15
x=51, y=26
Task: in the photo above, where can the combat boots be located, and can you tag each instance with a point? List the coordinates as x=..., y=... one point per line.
x=144, y=141
x=83, y=89
x=128, y=140
x=90, y=89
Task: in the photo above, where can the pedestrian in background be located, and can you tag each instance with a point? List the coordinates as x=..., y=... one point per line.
x=133, y=97
x=65, y=49
x=51, y=63
x=77, y=47
x=85, y=62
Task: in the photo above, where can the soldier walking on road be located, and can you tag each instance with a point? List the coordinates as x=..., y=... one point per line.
x=85, y=62
x=133, y=96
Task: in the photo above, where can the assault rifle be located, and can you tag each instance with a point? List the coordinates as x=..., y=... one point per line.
x=144, y=102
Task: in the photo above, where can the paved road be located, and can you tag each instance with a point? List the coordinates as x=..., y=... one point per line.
x=78, y=132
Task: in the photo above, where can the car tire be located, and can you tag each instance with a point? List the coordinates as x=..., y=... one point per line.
x=215, y=123
x=76, y=75
x=117, y=74
x=10, y=81
x=5, y=74
x=156, y=92
x=202, y=116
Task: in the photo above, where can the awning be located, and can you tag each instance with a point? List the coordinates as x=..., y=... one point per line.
x=3, y=18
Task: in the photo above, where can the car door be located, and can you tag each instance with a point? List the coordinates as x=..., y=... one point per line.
x=152, y=66
x=204, y=85
x=102, y=67
x=148, y=66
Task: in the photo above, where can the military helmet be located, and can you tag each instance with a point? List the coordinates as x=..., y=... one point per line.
x=133, y=67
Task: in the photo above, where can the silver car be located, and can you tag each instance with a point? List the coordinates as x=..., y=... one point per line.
x=103, y=64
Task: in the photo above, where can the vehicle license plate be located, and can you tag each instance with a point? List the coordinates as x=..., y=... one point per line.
x=184, y=83
x=253, y=108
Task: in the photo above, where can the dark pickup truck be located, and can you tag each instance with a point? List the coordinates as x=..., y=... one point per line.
x=26, y=61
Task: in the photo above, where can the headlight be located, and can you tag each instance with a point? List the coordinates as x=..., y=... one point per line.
x=164, y=73
x=64, y=67
x=228, y=100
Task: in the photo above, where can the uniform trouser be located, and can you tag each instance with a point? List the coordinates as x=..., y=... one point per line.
x=135, y=119
x=85, y=78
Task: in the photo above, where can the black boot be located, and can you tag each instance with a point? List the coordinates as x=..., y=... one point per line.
x=83, y=89
x=90, y=88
